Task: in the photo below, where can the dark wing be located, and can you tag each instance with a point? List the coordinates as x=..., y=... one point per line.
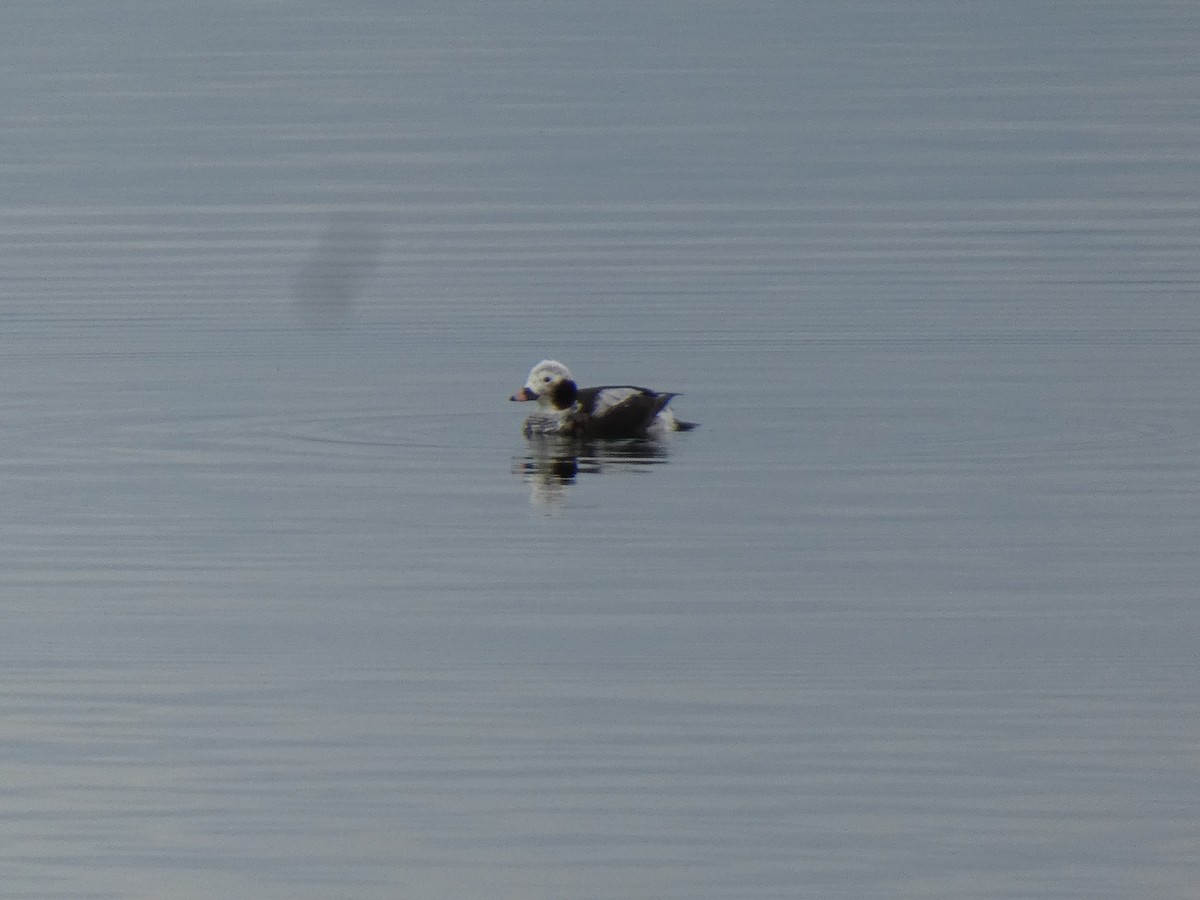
x=619, y=411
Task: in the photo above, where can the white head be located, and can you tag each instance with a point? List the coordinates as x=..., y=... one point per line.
x=550, y=384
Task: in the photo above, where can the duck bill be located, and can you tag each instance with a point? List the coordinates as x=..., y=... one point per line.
x=523, y=395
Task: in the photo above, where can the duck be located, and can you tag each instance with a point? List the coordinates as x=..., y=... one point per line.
x=609, y=412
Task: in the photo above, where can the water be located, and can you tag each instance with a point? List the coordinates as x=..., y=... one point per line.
x=291, y=609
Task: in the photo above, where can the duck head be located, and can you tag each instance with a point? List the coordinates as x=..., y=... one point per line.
x=550, y=384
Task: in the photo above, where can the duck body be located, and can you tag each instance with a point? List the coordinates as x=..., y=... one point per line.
x=608, y=412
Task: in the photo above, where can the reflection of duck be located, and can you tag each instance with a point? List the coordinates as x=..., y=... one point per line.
x=606, y=413
x=553, y=462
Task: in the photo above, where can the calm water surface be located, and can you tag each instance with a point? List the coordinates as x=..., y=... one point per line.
x=291, y=609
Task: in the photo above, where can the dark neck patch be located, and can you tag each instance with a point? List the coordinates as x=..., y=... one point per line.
x=563, y=395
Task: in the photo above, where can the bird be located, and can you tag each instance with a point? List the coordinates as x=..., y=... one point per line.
x=609, y=412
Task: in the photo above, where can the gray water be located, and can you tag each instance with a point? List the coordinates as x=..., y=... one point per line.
x=288, y=606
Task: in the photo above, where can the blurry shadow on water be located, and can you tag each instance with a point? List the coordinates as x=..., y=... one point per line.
x=348, y=251
x=552, y=464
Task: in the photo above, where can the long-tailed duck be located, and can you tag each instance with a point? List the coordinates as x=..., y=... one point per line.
x=607, y=412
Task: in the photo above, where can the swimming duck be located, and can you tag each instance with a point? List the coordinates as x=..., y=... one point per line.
x=608, y=412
